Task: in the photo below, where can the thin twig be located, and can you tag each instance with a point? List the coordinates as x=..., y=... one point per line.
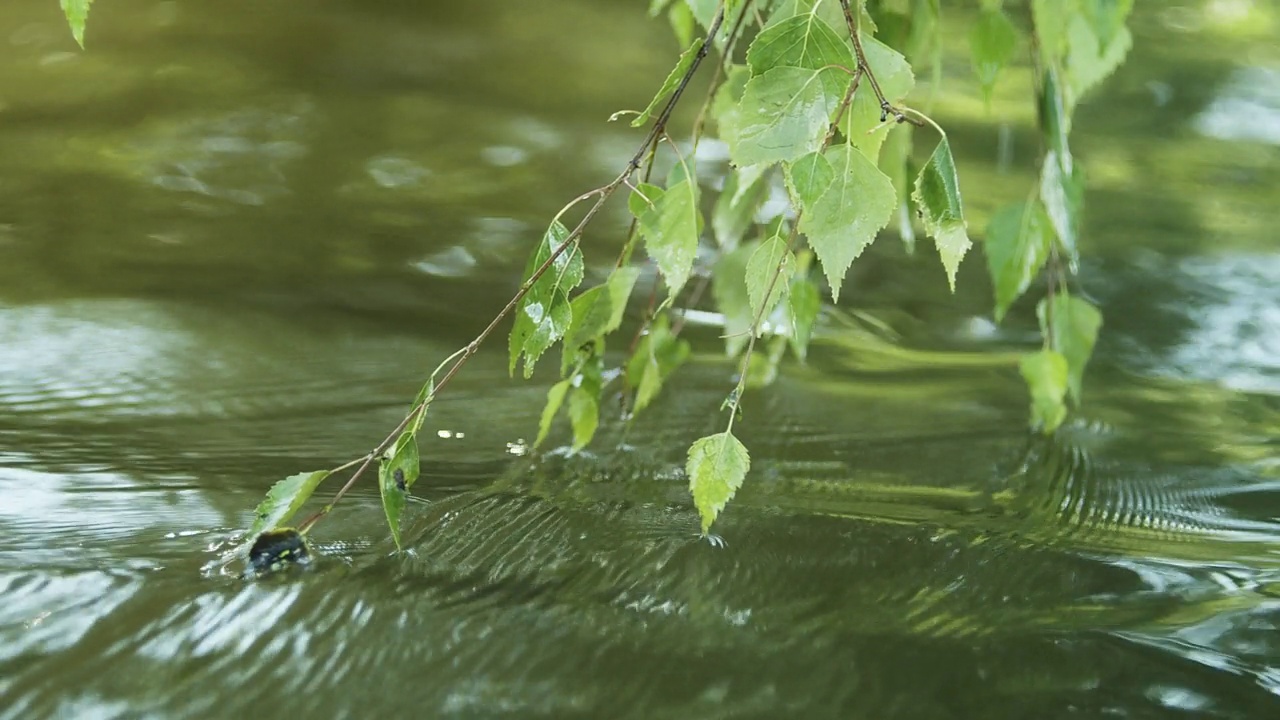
x=886, y=108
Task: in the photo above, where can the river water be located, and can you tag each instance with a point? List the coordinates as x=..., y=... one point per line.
x=235, y=236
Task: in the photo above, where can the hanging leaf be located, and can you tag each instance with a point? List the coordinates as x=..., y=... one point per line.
x=1017, y=246
x=670, y=228
x=767, y=273
x=1089, y=59
x=845, y=201
x=421, y=400
x=682, y=22
x=77, y=12
x=1072, y=324
x=991, y=45
x=544, y=315
x=732, y=300
x=657, y=355
x=584, y=416
x=803, y=304
x=397, y=471
x=745, y=189
x=1046, y=375
x=804, y=41
x=895, y=162
x=669, y=85
x=1106, y=18
x=724, y=106
x=717, y=465
x=1050, y=18
x=555, y=398
x=937, y=196
x=783, y=115
x=703, y=10
x=1062, y=192
x=598, y=311
x=865, y=125
x=284, y=499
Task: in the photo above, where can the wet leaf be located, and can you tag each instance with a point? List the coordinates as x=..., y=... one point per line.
x=804, y=41
x=717, y=465
x=803, y=304
x=669, y=85
x=1073, y=324
x=1062, y=192
x=729, y=288
x=991, y=44
x=745, y=189
x=555, y=398
x=1017, y=246
x=284, y=499
x=77, y=12
x=782, y=115
x=846, y=200
x=598, y=311
x=397, y=471
x=544, y=315
x=767, y=273
x=657, y=355
x=584, y=415
x=1046, y=376
x=937, y=196
x=670, y=228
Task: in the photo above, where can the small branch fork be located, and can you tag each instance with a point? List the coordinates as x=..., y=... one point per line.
x=887, y=109
x=602, y=195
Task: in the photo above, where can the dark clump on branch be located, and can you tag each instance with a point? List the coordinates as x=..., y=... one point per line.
x=276, y=549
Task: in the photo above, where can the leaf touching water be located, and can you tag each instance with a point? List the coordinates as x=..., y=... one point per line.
x=397, y=471
x=1046, y=376
x=1074, y=325
x=717, y=465
x=284, y=499
x=77, y=12
x=1017, y=243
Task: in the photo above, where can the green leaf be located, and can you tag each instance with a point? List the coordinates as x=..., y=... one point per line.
x=703, y=10
x=991, y=45
x=397, y=471
x=1050, y=18
x=1055, y=121
x=669, y=85
x=864, y=124
x=729, y=288
x=724, y=106
x=598, y=311
x=895, y=161
x=1017, y=246
x=1046, y=376
x=1062, y=192
x=77, y=12
x=804, y=41
x=767, y=273
x=284, y=499
x=671, y=227
x=745, y=189
x=717, y=465
x=762, y=368
x=555, y=398
x=846, y=200
x=544, y=315
x=584, y=416
x=783, y=115
x=1089, y=61
x=1072, y=325
x=937, y=196
x=1106, y=18
x=657, y=355
x=803, y=305
x=421, y=400
x=682, y=22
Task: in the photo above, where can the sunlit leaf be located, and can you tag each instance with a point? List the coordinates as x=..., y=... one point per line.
x=937, y=197
x=991, y=44
x=729, y=288
x=717, y=465
x=745, y=189
x=598, y=311
x=1062, y=192
x=846, y=200
x=767, y=273
x=555, y=398
x=657, y=355
x=77, y=12
x=1046, y=376
x=397, y=471
x=803, y=304
x=669, y=85
x=1017, y=246
x=544, y=315
x=284, y=499
x=670, y=228
x=1073, y=324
